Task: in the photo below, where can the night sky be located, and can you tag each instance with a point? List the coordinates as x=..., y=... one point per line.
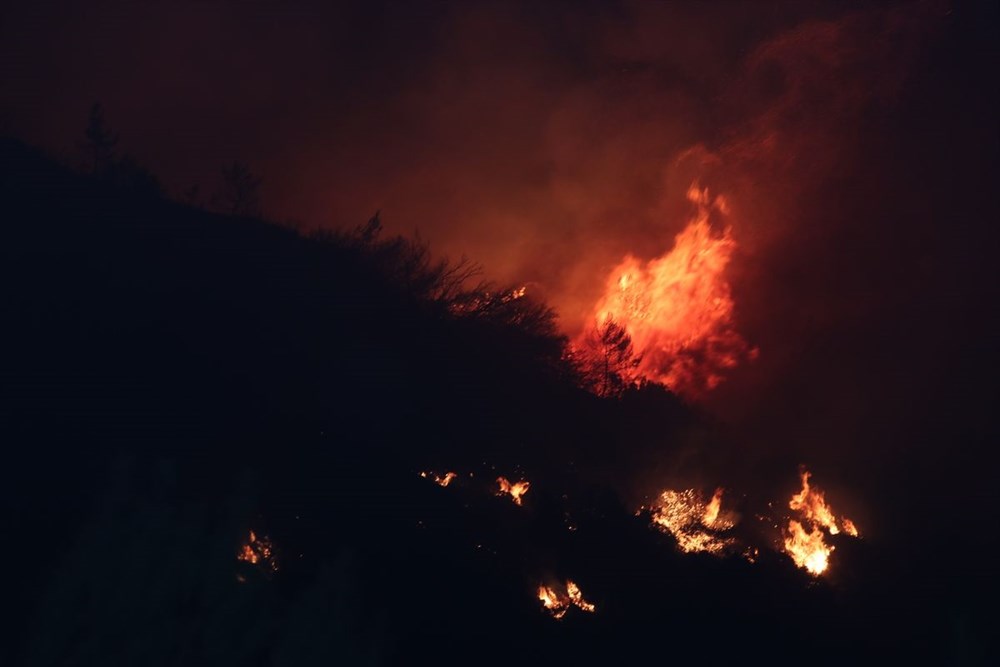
x=856, y=142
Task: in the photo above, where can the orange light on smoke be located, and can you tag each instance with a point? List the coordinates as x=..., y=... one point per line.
x=678, y=308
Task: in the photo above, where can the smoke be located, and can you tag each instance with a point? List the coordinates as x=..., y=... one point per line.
x=548, y=142
x=544, y=142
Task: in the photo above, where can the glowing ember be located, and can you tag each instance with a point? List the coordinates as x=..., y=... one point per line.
x=439, y=479
x=515, y=490
x=678, y=308
x=808, y=550
x=258, y=551
x=685, y=515
x=558, y=603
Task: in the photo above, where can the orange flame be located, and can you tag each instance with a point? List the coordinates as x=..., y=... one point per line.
x=684, y=513
x=438, y=479
x=811, y=503
x=258, y=551
x=678, y=308
x=558, y=603
x=712, y=509
x=576, y=597
x=515, y=490
x=808, y=550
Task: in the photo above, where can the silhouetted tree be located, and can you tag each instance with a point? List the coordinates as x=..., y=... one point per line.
x=369, y=233
x=240, y=191
x=609, y=360
x=409, y=264
x=100, y=141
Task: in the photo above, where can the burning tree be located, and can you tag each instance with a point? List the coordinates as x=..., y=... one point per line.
x=678, y=308
x=608, y=361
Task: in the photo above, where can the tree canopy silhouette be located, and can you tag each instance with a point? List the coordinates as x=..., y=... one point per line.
x=240, y=194
x=100, y=141
x=608, y=360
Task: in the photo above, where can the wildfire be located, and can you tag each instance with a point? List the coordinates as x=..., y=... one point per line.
x=258, y=551
x=577, y=597
x=712, y=509
x=811, y=503
x=558, y=603
x=809, y=549
x=685, y=515
x=484, y=301
x=557, y=606
x=440, y=480
x=678, y=308
x=515, y=490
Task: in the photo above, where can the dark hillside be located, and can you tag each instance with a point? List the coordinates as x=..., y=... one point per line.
x=173, y=378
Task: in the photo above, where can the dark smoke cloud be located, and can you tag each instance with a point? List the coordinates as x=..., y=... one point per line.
x=538, y=140
x=547, y=140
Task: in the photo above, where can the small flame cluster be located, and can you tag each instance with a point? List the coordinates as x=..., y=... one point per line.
x=258, y=551
x=694, y=523
x=474, y=302
x=505, y=487
x=515, y=490
x=809, y=549
x=557, y=602
x=440, y=480
x=699, y=526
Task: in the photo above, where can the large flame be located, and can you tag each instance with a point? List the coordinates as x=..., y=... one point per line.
x=678, y=308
